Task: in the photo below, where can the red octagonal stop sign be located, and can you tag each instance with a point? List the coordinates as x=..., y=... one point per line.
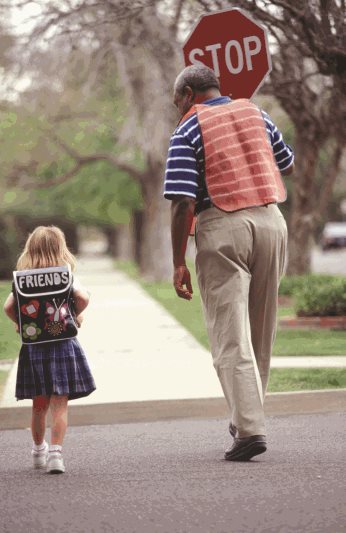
x=235, y=47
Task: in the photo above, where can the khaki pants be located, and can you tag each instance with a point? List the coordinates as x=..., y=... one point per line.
x=239, y=263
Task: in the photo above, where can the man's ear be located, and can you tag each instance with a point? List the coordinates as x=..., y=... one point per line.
x=189, y=92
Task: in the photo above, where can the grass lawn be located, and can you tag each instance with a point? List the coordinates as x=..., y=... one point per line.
x=291, y=379
x=285, y=311
x=288, y=342
x=9, y=339
x=310, y=342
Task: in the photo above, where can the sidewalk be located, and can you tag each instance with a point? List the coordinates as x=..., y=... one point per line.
x=137, y=351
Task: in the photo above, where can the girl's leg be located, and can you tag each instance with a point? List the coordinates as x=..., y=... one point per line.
x=40, y=407
x=58, y=409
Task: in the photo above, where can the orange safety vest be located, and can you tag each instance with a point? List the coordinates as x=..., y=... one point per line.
x=240, y=168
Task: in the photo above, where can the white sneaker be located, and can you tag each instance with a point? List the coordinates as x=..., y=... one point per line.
x=55, y=463
x=39, y=457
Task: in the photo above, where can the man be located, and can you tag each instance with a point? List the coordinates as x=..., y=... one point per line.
x=223, y=166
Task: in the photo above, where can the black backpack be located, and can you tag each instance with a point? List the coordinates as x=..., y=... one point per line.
x=45, y=304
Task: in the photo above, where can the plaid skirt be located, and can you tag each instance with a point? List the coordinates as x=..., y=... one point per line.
x=53, y=368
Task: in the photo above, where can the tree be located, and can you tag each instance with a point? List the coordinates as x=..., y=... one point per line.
x=141, y=40
x=31, y=138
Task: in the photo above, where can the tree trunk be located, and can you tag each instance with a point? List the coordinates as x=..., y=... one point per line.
x=125, y=242
x=155, y=258
x=303, y=213
x=300, y=243
x=137, y=231
x=326, y=192
x=112, y=236
x=70, y=230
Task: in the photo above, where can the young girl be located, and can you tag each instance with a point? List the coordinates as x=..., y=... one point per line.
x=51, y=373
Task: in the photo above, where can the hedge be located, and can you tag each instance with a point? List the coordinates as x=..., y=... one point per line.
x=318, y=295
x=291, y=284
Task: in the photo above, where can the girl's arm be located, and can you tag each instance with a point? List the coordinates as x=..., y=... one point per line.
x=10, y=307
x=81, y=300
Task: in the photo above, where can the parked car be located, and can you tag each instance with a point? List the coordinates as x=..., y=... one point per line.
x=333, y=235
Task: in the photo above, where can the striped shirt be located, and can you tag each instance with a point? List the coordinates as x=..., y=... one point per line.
x=185, y=162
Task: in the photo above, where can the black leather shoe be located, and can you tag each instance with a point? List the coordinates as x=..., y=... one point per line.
x=232, y=430
x=245, y=448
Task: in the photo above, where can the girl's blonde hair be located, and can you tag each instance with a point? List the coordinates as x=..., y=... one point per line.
x=45, y=247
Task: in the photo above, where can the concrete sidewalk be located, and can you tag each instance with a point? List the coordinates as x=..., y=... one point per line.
x=137, y=351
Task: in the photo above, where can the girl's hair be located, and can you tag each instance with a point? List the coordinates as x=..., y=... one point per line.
x=45, y=247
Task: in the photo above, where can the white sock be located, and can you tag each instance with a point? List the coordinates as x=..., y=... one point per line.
x=39, y=447
x=55, y=448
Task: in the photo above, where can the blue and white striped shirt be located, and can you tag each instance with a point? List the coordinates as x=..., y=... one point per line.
x=185, y=161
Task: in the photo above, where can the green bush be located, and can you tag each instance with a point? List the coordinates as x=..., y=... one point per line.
x=320, y=295
x=290, y=284
x=293, y=285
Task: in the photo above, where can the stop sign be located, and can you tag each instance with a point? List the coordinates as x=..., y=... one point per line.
x=235, y=47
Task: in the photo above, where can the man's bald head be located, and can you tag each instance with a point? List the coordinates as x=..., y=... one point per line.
x=194, y=83
x=198, y=77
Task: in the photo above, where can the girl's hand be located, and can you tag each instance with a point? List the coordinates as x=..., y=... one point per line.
x=79, y=320
x=16, y=327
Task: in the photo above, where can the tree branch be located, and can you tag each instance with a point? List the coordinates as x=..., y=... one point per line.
x=32, y=182
x=27, y=181
x=177, y=15
x=289, y=7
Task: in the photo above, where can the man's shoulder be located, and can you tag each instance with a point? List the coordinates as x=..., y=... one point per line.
x=264, y=114
x=188, y=122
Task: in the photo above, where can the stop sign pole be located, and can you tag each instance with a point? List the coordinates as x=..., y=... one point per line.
x=235, y=47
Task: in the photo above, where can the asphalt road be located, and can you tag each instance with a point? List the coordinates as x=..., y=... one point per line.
x=171, y=477
x=329, y=262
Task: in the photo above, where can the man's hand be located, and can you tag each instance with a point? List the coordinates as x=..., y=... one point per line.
x=288, y=171
x=182, y=211
x=182, y=277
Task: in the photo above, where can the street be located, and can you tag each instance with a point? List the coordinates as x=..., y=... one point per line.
x=329, y=262
x=171, y=477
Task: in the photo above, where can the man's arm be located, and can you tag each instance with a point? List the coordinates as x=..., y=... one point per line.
x=288, y=171
x=181, y=185
x=182, y=212
x=283, y=153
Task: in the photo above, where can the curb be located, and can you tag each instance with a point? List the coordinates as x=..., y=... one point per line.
x=276, y=404
x=337, y=323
